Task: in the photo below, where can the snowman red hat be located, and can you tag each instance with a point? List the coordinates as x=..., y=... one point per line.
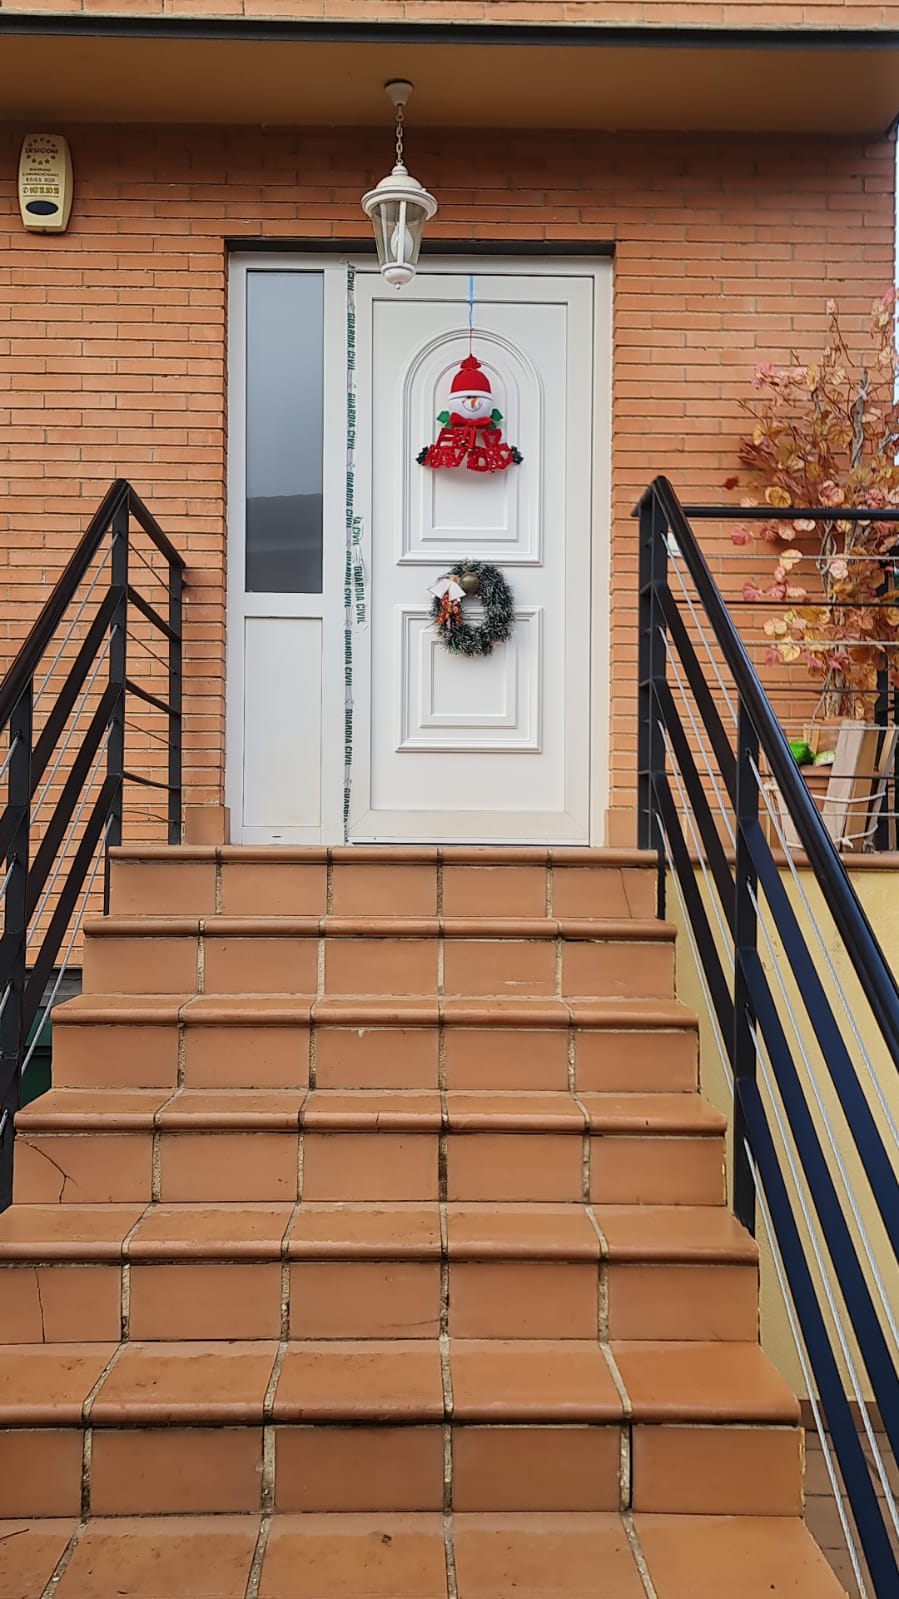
x=471, y=381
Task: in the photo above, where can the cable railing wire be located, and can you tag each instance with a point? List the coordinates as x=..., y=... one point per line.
x=99, y=858
x=72, y=625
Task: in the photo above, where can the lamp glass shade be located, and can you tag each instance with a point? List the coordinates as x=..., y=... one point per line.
x=398, y=208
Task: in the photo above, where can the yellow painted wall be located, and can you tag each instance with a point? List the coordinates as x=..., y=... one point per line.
x=878, y=889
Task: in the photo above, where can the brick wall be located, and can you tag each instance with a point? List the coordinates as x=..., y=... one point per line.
x=660, y=13
x=112, y=337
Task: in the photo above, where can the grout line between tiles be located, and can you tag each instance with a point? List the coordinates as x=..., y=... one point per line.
x=633, y=1538
x=59, y=1569
x=255, y=1573
x=125, y=1295
x=182, y=1049
x=285, y=1270
x=312, y=1056
x=218, y=891
x=329, y=886
x=320, y=966
x=267, y=1487
x=201, y=956
x=449, y=1555
x=602, y=1281
x=88, y=1440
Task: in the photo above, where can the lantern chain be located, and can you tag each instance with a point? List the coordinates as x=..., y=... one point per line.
x=400, y=121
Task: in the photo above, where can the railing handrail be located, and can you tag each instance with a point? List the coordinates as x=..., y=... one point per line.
x=870, y=963
x=768, y=996
x=25, y=664
x=76, y=819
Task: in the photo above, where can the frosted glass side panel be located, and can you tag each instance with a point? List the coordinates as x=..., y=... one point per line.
x=282, y=723
x=285, y=342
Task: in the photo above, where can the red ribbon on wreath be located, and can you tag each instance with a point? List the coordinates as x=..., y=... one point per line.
x=470, y=435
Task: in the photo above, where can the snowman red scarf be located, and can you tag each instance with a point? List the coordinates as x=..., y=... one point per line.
x=469, y=431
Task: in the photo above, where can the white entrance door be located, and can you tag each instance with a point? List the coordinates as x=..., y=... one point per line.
x=443, y=749
x=452, y=748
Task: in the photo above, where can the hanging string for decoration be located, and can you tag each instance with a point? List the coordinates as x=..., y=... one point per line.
x=470, y=311
x=469, y=578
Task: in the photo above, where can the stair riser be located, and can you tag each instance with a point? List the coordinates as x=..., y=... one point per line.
x=724, y=1470
x=278, y=1056
x=213, y=1300
x=184, y=1167
x=280, y=888
x=541, y=968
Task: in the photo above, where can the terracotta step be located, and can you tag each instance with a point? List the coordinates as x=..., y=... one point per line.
x=177, y=1272
x=348, y=1426
x=466, y=956
x=359, y=881
x=408, y=1557
x=118, y=1147
x=280, y=1041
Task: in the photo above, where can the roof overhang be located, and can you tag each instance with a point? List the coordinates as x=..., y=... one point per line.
x=63, y=69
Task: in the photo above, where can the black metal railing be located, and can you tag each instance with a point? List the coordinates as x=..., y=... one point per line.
x=63, y=712
x=801, y=998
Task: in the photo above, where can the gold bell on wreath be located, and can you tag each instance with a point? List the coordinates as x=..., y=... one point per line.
x=470, y=582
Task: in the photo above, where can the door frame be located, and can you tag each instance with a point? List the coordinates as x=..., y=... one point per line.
x=329, y=605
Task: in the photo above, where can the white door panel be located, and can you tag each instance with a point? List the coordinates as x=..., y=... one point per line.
x=458, y=748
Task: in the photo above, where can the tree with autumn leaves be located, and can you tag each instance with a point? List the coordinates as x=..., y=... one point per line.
x=826, y=434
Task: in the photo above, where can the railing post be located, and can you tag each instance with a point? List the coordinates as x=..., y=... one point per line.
x=118, y=628
x=175, y=749
x=13, y=944
x=653, y=575
x=743, y=1046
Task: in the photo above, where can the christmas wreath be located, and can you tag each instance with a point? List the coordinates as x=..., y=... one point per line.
x=485, y=581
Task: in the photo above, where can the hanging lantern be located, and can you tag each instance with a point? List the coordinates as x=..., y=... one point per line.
x=399, y=207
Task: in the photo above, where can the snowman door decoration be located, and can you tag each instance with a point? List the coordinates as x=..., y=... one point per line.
x=470, y=433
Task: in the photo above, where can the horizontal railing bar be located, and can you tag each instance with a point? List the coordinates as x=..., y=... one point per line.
x=152, y=615
x=853, y=1466
x=822, y=1189
x=28, y=659
x=708, y=710
x=68, y=799
x=68, y=694
x=789, y=513
x=151, y=699
x=147, y=782
x=702, y=810
x=9, y=822
x=65, y=904
x=151, y=527
x=876, y=1162
x=874, y=974
x=717, y=982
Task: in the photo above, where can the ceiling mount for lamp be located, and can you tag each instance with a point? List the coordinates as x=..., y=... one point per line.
x=399, y=206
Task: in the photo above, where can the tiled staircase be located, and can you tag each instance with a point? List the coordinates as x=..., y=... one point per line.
x=372, y=1244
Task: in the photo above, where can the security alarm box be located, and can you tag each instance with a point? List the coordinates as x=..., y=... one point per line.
x=45, y=182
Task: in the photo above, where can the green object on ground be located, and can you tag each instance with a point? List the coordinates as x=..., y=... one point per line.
x=801, y=752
